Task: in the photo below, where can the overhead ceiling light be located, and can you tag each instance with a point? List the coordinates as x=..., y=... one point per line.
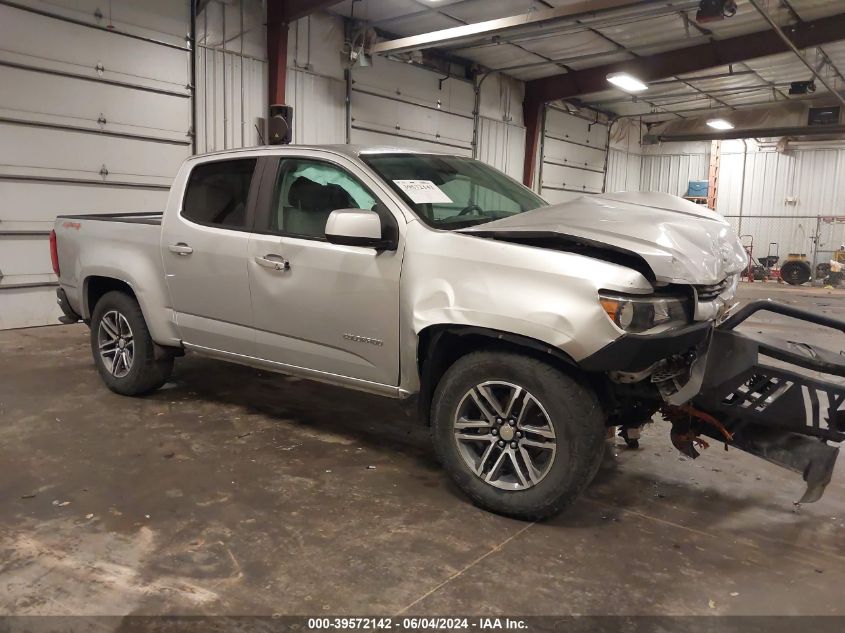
x=627, y=82
x=720, y=124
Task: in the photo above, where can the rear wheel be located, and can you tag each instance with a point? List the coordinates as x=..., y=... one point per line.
x=123, y=349
x=518, y=436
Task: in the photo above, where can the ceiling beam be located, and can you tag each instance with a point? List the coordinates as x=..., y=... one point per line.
x=788, y=41
x=667, y=64
x=280, y=13
x=286, y=11
x=688, y=60
x=471, y=32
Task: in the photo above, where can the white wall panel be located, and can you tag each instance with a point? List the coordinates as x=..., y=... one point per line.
x=502, y=145
x=412, y=104
x=163, y=20
x=36, y=151
x=25, y=307
x=671, y=173
x=365, y=137
x=94, y=117
x=43, y=42
x=572, y=160
x=820, y=182
x=319, y=107
x=33, y=205
x=99, y=107
x=623, y=171
x=314, y=45
x=231, y=75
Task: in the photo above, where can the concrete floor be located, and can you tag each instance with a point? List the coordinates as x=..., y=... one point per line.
x=233, y=491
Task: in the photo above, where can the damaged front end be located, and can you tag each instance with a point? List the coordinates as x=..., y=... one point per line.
x=784, y=414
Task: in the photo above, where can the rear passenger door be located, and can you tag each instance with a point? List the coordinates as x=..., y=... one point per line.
x=205, y=251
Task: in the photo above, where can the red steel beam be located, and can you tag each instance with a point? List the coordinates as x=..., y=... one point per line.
x=280, y=13
x=675, y=62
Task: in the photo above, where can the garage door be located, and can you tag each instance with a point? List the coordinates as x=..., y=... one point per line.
x=95, y=115
x=573, y=158
x=401, y=105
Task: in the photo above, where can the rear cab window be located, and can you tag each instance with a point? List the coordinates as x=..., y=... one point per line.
x=217, y=193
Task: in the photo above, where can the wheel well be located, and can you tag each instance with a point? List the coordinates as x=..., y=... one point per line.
x=96, y=287
x=440, y=346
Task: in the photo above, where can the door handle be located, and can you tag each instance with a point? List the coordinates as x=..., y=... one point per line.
x=180, y=248
x=273, y=262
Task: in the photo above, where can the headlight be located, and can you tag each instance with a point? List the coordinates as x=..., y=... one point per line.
x=643, y=313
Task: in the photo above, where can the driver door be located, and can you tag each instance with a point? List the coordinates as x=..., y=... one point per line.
x=327, y=308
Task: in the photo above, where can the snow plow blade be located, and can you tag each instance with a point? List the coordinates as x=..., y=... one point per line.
x=781, y=412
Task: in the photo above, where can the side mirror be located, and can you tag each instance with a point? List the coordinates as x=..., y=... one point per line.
x=357, y=227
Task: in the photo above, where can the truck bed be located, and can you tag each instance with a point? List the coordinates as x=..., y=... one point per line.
x=118, y=246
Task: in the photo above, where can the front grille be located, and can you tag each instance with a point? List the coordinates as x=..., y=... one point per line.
x=709, y=293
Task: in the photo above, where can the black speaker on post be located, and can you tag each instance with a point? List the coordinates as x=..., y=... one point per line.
x=281, y=124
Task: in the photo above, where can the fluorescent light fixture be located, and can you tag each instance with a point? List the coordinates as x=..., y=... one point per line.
x=627, y=82
x=720, y=124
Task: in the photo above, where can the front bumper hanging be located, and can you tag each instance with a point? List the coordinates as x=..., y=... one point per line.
x=785, y=414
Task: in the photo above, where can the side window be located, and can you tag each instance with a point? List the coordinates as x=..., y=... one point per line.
x=307, y=191
x=217, y=192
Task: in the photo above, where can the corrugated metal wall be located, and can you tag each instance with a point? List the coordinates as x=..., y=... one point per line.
x=783, y=194
x=624, y=160
x=802, y=181
x=231, y=75
x=669, y=167
x=315, y=85
x=502, y=145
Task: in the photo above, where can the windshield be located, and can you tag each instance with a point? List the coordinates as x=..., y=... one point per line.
x=448, y=192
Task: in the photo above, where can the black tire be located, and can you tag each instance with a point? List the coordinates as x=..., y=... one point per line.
x=796, y=273
x=146, y=372
x=572, y=409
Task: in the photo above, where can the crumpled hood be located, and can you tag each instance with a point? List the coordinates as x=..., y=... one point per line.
x=682, y=242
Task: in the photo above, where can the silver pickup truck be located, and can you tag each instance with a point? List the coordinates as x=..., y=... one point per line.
x=518, y=331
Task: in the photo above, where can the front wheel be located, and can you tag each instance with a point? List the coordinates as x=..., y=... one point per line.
x=518, y=436
x=123, y=349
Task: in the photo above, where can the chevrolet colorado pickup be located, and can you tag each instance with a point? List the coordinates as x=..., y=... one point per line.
x=518, y=331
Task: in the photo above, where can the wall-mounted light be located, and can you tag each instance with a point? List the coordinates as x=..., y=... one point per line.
x=626, y=82
x=720, y=124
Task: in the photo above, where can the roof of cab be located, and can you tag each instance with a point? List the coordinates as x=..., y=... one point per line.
x=348, y=150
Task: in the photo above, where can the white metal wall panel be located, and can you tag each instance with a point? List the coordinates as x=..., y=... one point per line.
x=573, y=156
x=35, y=40
x=162, y=20
x=231, y=75
x=31, y=205
x=623, y=171
x=820, y=182
x=319, y=107
x=502, y=145
x=95, y=116
x=768, y=182
x=416, y=105
x=118, y=109
x=366, y=137
x=671, y=173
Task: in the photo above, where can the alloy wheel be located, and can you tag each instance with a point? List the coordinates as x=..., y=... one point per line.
x=116, y=344
x=504, y=435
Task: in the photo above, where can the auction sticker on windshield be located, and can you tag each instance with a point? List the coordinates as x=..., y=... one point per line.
x=423, y=191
